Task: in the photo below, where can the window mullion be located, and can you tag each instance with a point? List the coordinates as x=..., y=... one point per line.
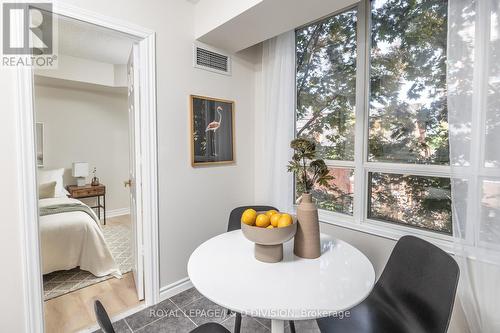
x=340, y=164
x=361, y=129
x=413, y=169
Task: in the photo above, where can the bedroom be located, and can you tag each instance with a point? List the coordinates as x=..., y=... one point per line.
x=83, y=148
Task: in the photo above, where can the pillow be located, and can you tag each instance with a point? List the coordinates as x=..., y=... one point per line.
x=56, y=175
x=47, y=190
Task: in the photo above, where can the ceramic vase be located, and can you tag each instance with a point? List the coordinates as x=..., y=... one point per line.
x=95, y=181
x=307, y=243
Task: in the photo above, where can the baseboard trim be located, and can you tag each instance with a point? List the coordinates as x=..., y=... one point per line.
x=175, y=288
x=117, y=212
x=165, y=292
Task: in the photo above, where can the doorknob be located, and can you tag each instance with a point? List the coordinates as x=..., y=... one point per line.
x=127, y=183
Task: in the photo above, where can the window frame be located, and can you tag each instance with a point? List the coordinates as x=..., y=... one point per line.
x=361, y=165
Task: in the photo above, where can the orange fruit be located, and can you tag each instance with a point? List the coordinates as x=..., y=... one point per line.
x=249, y=216
x=262, y=221
x=271, y=212
x=285, y=220
x=270, y=227
x=274, y=219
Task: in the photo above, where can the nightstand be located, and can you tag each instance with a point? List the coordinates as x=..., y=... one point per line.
x=89, y=191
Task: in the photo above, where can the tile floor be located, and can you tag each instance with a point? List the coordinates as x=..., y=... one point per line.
x=185, y=311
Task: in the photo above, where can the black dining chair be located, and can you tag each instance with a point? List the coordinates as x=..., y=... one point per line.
x=414, y=294
x=103, y=318
x=107, y=327
x=235, y=224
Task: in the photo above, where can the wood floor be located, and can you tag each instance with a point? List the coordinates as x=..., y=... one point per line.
x=122, y=219
x=75, y=311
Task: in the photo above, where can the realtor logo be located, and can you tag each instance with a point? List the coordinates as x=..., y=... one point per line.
x=28, y=34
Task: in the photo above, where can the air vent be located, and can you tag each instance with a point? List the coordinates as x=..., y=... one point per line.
x=211, y=61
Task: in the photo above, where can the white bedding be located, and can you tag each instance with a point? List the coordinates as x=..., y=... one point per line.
x=74, y=239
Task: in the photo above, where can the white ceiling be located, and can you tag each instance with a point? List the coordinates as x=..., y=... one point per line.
x=88, y=41
x=247, y=23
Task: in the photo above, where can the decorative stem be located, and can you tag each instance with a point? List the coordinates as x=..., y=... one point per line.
x=304, y=174
x=304, y=151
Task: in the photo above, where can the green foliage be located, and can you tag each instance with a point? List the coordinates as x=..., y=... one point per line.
x=419, y=201
x=308, y=173
x=408, y=102
x=407, y=99
x=326, y=83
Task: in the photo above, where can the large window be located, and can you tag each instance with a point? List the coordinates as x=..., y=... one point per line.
x=418, y=201
x=408, y=116
x=395, y=146
x=326, y=99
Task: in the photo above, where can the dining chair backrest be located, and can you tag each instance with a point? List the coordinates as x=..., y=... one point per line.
x=235, y=216
x=420, y=280
x=103, y=318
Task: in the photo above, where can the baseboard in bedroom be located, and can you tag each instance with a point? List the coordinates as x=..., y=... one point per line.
x=117, y=212
x=175, y=288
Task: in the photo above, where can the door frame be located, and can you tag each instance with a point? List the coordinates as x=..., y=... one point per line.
x=28, y=197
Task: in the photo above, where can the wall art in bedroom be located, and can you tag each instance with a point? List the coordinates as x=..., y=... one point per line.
x=39, y=144
x=212, y=131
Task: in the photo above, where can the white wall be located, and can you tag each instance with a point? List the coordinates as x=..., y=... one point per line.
x=88, y=126
x=12, y=304
x=194, y=204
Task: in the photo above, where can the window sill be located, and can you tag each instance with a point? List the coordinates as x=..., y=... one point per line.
x=385, y=230
x=395, y=232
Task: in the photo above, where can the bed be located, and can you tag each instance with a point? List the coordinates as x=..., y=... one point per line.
x=73, y=238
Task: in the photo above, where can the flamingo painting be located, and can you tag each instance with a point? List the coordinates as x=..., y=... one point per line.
x=214, y=125
x=212, y=139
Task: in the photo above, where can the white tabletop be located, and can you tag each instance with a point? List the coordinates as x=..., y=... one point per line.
x=225, y=271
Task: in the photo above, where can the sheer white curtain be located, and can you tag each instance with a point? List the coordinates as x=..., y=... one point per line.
x=474, y=127
x=277, y=127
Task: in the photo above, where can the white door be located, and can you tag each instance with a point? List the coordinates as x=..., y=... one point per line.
x=135, y=169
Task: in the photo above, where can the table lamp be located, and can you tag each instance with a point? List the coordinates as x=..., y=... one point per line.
x=80, y=172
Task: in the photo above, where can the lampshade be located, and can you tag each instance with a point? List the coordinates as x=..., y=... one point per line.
x=80, y=169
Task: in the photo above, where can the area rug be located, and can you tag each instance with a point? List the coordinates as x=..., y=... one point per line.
x=59, y=283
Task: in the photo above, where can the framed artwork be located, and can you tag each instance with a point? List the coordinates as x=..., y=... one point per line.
x=39, y=144
x=212, y=131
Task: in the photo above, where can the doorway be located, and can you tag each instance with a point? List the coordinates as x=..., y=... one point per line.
x=141, y=181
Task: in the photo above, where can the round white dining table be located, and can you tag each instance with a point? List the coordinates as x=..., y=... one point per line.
x=224, y=270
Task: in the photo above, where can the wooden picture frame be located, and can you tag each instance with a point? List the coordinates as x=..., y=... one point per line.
x=39, y=143
x=211, y=130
